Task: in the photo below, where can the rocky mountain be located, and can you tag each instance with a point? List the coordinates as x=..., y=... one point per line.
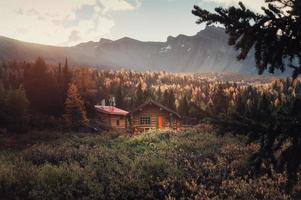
x=207, y=51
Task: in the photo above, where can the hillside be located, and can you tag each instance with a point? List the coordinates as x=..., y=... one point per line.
x=191, y=164
x=207, y=51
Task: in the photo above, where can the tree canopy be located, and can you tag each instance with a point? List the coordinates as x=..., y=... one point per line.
x=275, y=34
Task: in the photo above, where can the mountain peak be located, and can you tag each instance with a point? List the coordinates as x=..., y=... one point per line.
x=105, y=40
x=170, y=39
x=127, y=39
x=211, y=29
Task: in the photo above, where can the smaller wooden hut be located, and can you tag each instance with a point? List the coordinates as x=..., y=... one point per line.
x=153, y=115
x=112, y=117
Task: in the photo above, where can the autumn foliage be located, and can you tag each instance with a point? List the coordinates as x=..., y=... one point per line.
x=75, y=113
x=264, y=109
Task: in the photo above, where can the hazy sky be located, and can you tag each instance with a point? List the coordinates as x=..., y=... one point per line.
x=69, y=22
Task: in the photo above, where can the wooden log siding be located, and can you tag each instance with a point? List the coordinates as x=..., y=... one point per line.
x=122, y=121
x=169, y=119
x=111, y=120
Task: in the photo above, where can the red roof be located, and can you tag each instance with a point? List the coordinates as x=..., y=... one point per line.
x=110, y=110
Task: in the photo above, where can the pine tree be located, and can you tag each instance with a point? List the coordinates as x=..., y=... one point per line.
x=140, y=97
x=220, y=101
x=119, y=98
x=240, y=107
x=16, y=105
x=148, y=93
x=165, y=100
x=172, y=100
x=169, y=99
x=184, y=108
x=61, y=89
x=159, y=95
x=275, y=34
x=83, y=78
x=41, y=88
x=75, y=114
x=66, y=78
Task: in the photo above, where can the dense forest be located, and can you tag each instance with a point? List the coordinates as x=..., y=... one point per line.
x=38, y=96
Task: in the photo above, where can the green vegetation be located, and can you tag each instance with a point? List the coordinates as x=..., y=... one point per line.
x=191, y=164
x=35, y=96
x=273, y=36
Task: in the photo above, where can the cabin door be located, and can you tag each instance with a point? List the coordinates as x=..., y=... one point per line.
x=160, y=122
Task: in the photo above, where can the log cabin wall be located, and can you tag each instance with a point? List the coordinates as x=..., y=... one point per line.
x=170, y=120
x=118, y=121
x=113, y=121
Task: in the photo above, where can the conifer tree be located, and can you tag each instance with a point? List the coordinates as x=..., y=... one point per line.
x=159, y=95
x=172, y=100
x=66, y=78
x=83, y=78
x=41, y=88
x=184, y=108
x=119, y=97
x=165, y=100
x=169, y=99
x=220, y=101
x=140, y=97
x=148, y=93
x=75, y=114
x=275, y=34
x=16, y=105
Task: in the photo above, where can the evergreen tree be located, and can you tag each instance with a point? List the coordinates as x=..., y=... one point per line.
x=275, y=34
x=41, y=88
x=16, y=108
x=60, y=74
x=61, y=89
x=165, y=100
x=240, y=106
x=84, y=80
x=220, y=101
x=169, y=99
x=159, y=95
x=148, y=93
x=184, y=107
x=140, y=97
x=172, y=100
x=119, y=98
x=66, y=78
x=75, y=114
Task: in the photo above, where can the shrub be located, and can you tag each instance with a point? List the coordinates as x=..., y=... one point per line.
x=157, y=165
x=55, y=154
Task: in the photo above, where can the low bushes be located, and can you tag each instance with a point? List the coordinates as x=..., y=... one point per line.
x=160, y=165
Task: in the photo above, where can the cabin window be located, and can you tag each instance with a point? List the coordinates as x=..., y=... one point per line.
x=117, y=122
x=145, y=120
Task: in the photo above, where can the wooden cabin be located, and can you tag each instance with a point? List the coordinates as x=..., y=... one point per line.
x=153, y=115
x=112, y=117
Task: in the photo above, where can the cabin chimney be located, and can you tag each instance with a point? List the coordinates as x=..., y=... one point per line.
x=103, y=102
x=113, y=101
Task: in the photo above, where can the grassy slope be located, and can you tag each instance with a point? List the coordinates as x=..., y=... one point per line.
x=192, y=164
